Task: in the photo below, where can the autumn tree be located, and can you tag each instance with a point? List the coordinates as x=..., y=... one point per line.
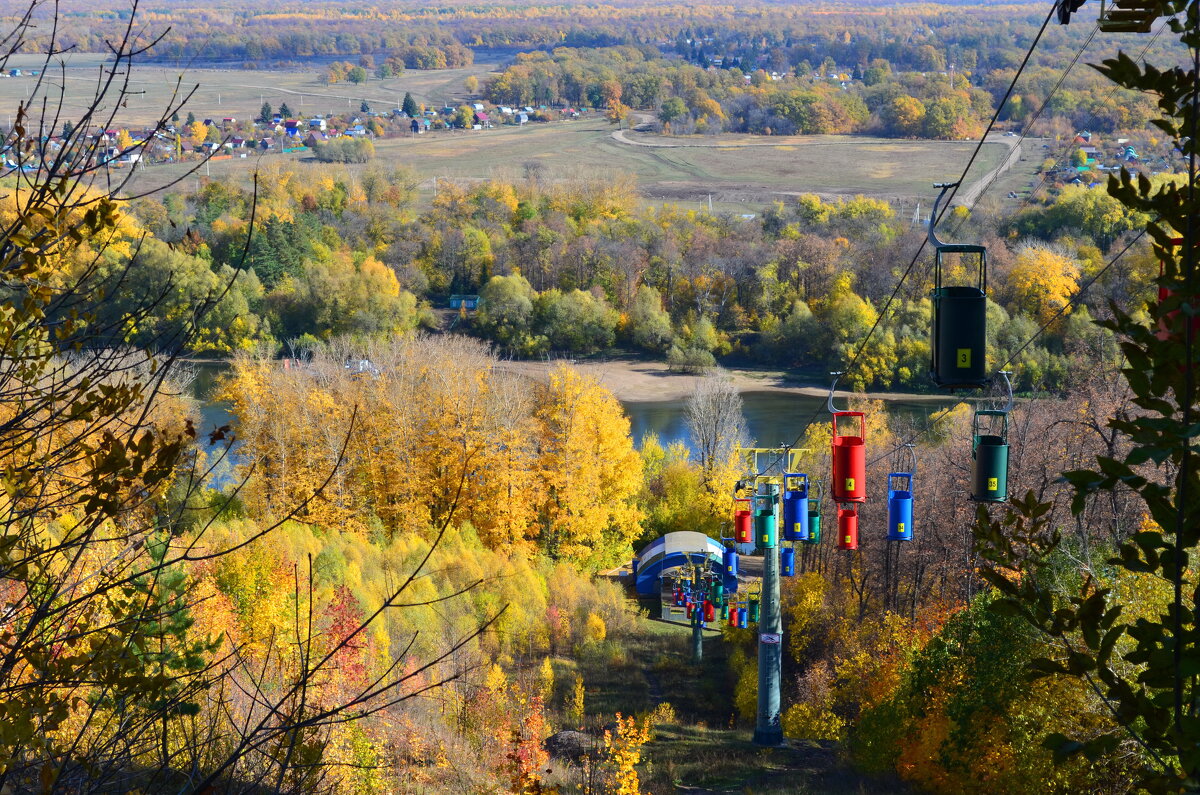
x=905, y=116
x=197, y=133
x=110, y=673
x=617, y=112
x=591, y=472
x=648, y=325
x=715, y=423
x=1043, y=281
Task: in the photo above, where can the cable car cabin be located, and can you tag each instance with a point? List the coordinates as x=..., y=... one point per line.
x=730, y=559
x=787, y=562
x=989, y=456
x=717, y=591
x=814, y=528
x=753, y=610
x=743, y=617
x=710, y=611
x=1127, y=16
x=849, y=461
x=900, y=508
x=958, y=344
x=1169, y=326
x=724, y=612
x=766, y=529
x=742, y=530
x=814, y=517
x=795, y=506
x=847, y=516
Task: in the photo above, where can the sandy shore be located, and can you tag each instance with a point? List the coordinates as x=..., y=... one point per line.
x=636, y=381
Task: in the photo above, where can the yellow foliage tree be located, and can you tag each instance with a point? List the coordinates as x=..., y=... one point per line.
x=197, y=133
x=546, y=679
x=577, y=705
x=1042, y=281
x=591, y=472
x=595, y=630
x=624, y=750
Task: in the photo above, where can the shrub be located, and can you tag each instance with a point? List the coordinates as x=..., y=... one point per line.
x=345, y=150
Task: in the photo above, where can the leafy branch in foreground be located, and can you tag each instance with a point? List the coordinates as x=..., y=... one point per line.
x=1146, y=669
x=107, y=682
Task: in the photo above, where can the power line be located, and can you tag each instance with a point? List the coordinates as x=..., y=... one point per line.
x=933, y=221
x=1028, y=200
x=1061, y=311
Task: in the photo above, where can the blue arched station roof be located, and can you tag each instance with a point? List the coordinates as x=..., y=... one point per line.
x=672, y=551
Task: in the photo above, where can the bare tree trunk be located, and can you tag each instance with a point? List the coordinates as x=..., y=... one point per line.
x=714, y=419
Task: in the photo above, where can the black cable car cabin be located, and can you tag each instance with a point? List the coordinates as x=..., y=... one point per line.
x=1117, y=16
x=958, y=339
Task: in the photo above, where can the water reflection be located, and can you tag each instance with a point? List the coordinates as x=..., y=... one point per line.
x=772, y=418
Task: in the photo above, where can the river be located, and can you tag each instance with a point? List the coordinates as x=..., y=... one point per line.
x=772, y=418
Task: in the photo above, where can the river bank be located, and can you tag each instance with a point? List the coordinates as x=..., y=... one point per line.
x=631, y=380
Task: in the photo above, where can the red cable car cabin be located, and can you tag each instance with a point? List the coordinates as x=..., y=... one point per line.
x=1167, y=321
x=743, y=530
x=849, y=461
x=847, y=517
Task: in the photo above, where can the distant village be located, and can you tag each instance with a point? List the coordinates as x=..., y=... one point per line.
x=271, y=131
x=283, y=131
x=1092, y=157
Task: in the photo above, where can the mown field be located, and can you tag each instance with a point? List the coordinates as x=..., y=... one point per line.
x=229, y=92
x=735, y=173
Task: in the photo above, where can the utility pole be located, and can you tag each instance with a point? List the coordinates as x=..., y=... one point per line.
x=768, y=728
x=697, y=619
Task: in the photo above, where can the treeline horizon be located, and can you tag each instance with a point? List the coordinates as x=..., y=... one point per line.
x=954, y=60
x=580, y=267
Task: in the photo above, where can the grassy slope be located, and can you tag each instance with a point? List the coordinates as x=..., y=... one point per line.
x=707, y=750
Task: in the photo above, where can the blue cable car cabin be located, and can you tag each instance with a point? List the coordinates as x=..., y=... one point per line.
x=795, y=506
x=900, y=508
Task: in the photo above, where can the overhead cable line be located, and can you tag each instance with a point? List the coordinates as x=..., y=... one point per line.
x=933, y=221
x=1061, y=311
x=1092, y=117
